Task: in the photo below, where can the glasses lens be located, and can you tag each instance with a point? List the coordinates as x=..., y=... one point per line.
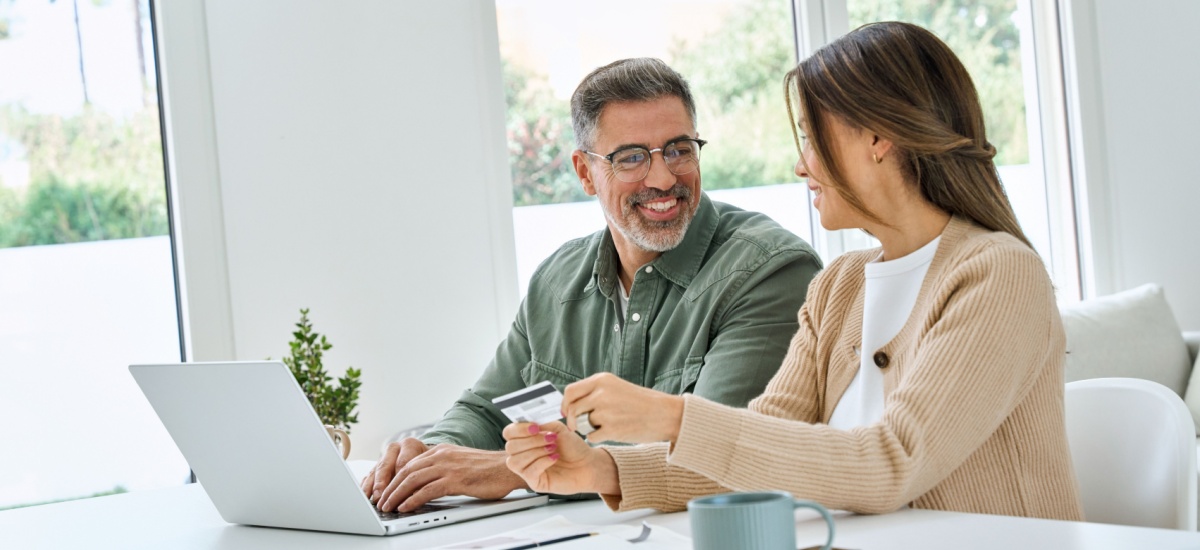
x=682, y=156
x=631, y=164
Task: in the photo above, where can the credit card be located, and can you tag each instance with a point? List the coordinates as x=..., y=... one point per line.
x=539, y=403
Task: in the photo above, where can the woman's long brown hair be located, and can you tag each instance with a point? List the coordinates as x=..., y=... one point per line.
x=902, y=83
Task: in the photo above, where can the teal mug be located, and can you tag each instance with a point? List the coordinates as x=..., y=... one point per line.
x=751, y=521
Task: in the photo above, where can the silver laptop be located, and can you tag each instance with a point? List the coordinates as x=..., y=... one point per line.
x=263, y=457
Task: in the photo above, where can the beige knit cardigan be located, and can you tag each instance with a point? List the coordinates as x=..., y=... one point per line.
x=973, y=393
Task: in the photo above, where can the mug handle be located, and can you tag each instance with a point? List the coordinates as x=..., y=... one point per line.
x=824, y=514
x=343, y=439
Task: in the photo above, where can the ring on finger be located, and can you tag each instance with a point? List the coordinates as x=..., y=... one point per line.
x=583, y=424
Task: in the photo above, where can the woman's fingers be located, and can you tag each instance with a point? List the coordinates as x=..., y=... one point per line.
x=526, y=444
x=533, y=472
x=520, y=430
x=574, y=393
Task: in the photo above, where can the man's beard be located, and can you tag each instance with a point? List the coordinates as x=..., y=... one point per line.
x=650, y=235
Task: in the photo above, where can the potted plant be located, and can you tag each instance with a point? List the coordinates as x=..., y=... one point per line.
x=333, y=403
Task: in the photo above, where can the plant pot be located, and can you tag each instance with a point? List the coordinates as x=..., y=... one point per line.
x=340, y=439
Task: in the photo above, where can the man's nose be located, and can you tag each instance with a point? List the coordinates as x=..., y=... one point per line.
x=659, y=177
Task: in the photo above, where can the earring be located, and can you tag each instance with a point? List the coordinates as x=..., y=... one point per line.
x=876, y=158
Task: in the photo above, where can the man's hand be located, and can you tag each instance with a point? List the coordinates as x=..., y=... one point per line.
x=398, y=455
x=439, y=471
x=622, y=411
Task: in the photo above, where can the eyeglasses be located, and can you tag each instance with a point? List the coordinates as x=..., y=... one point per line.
x=632, y=163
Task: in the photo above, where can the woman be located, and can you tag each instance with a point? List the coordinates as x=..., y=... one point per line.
x=926, y=372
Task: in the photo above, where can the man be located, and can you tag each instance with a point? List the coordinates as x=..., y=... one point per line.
x=679, y=293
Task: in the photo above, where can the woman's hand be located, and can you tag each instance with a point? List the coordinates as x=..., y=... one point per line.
x=553, y=459
x=622, y=411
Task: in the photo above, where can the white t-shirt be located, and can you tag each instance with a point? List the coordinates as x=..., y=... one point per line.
x=623, y=300
x=891, y=292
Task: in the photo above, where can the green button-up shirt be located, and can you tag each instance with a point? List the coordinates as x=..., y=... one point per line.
x=712, y=317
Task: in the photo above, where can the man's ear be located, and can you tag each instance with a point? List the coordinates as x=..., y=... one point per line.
x=583, y=170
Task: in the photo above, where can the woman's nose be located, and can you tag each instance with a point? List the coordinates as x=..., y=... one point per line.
x=800, y=171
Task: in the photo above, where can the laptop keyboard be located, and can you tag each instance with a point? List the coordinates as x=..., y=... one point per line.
x=387, y=516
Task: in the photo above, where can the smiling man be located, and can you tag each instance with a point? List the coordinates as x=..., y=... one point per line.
x=678, y=293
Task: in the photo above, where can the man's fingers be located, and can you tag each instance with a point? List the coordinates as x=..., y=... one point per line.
x=411, y=449
x=410, y=481
x=384, y=470
x=435, y=489
x=368, y=482
x=403, y=473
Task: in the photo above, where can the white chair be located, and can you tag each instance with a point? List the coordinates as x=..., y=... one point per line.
x=1133, y=443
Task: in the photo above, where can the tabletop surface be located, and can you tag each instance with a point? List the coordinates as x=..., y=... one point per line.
x=184, y=518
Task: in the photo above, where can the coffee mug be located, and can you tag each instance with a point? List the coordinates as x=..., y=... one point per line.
x=340, y=438
x=752, y=521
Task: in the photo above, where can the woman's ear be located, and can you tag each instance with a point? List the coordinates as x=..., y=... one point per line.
x=583, y=170
x=880, y=147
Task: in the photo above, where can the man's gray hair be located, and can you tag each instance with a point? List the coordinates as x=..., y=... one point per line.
x=637, y=79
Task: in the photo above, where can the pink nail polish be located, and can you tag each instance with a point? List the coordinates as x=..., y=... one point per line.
x=533, y=429
x=550, y=448
x=554, y=456
x=551, y=438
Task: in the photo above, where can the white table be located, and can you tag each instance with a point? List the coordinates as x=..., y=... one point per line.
x=184, y=518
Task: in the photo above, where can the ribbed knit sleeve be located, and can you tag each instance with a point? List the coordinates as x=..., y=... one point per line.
x=647, y=481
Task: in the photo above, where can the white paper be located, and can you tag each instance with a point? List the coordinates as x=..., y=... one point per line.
x=607, y=536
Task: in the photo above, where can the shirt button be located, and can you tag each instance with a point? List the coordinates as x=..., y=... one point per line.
x=649, y=269
x=616, y=327
x=636, y=317
x=881, y=359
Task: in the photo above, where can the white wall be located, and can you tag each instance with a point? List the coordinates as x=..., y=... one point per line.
x=349, y=158
x=1139, y=84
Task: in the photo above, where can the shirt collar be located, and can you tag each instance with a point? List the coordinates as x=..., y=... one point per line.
x=679, y=265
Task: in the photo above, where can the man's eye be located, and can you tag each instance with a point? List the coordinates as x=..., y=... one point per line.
x=631, y=159
x=678, y=151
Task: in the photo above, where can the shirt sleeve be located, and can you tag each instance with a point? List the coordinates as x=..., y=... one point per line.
x=474, y=421
x=753, y=333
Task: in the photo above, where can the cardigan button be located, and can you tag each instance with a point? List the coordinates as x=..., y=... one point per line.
x=881, y=359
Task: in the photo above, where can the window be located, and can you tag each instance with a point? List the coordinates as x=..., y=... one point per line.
x=86, y=277
x=735, y=54
x=1012, y=54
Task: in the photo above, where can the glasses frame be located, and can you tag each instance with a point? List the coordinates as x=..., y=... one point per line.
x=700, y=143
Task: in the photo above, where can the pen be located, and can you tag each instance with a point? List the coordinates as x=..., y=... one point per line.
x=553, y=541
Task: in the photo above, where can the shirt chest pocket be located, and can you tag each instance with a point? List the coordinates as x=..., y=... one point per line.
x=535, y=372
x=682, y=379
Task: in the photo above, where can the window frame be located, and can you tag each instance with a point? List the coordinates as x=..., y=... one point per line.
x=818, y=22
